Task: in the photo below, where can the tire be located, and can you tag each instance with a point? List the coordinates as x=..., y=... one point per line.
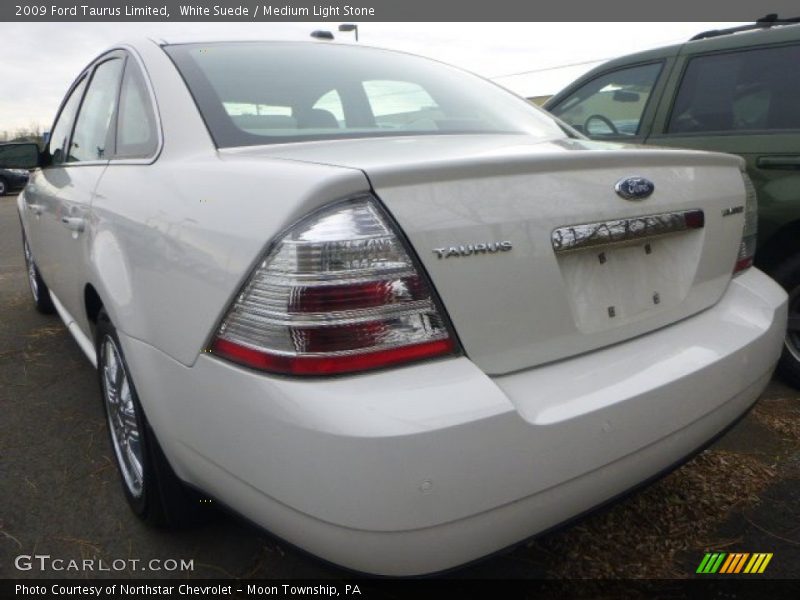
x=4, y=188
x=39, y=290
x=151, y=487
x=787, y=274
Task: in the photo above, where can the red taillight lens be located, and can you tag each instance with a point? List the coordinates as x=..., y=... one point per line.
x=743, y=263
x=328, y=365
x=357, y=295
x=337, y=293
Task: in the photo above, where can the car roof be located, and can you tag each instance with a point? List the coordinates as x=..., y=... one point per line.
x=725, y=41
x=139, y=43
x=179, y=39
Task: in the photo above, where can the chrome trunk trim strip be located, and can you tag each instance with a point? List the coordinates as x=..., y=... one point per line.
x=588, y=235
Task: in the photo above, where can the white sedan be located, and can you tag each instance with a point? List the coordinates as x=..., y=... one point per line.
x=381, y=307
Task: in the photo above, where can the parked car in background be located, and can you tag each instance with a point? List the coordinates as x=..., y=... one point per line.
x=382, y=307
x=734, y=91
x=12, y=155
x=12, y=180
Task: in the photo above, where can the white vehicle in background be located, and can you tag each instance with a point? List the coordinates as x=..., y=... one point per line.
x=381, y=307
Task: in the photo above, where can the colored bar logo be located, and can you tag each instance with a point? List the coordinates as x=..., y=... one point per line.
x=734, y=563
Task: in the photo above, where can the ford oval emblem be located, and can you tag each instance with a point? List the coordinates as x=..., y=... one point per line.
x=634, y=188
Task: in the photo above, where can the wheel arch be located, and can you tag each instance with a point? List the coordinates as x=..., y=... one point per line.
x=785, y=242
x=93, y=304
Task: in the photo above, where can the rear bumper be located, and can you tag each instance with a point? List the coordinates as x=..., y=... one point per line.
x=422, y=468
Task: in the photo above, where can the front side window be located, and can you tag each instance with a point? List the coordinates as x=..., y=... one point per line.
x=399, y=104
x=752, y=90
x=260, y=118
x=93, y=131
x=331, y=102
x=57, y=146
x=274, y=92
x=610, y=105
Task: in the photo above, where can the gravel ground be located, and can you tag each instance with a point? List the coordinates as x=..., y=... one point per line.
x=59, y=489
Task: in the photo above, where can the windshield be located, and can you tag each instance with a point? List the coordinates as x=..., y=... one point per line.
x=252, y=93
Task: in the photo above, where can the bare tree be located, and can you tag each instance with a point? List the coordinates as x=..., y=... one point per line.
x=32, y=133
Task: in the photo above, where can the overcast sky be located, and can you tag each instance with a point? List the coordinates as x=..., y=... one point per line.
x=40, y=60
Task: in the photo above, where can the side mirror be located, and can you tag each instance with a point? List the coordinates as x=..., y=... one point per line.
x=19, y=156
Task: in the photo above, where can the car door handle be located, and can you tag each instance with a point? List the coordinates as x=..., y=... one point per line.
x=778, y=162
x=74, y=223
x=36, y=209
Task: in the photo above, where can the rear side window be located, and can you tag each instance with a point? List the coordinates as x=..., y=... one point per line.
x=137, y=133
x=93, y=132
x=752, y=90
x=57, y=146
x=612, y=104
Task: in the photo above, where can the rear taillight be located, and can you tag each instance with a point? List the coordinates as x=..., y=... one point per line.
x=336, y=293
x=747, y=247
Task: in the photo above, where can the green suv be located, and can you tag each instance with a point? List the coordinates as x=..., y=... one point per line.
x=735, y=90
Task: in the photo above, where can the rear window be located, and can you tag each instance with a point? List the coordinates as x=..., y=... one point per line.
x=252, y=93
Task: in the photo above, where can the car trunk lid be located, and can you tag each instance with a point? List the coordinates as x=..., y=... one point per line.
x=534, y=255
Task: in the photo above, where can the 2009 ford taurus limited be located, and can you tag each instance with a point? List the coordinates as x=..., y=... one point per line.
x=382, y=307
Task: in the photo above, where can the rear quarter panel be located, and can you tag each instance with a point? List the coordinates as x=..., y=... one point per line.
x=173, y=241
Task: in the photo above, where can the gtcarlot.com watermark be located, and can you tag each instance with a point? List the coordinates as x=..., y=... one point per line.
x=45, y=562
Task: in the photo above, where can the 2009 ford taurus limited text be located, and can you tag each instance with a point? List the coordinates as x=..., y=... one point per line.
x=382, y=307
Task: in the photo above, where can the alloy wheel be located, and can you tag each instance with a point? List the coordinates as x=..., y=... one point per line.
x=31, y=268
x=122, y=416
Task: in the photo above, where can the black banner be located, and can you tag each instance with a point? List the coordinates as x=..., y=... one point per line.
x=733, y=587
x=390, y=10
